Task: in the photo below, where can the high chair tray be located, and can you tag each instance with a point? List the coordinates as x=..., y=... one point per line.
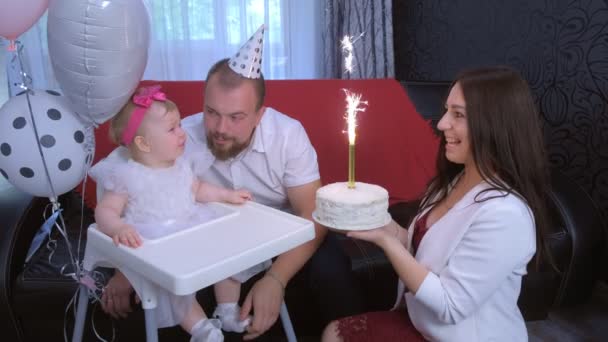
x=194, y=258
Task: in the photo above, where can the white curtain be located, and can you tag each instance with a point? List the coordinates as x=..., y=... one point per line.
x=188, y=36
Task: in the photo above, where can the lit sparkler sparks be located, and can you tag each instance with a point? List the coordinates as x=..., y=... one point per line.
x=354, y=105
x=347, y=49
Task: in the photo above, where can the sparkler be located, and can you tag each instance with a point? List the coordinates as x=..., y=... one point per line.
x=347, y=49
x=353, y=102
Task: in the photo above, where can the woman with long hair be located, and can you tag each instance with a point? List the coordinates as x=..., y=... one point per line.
x=461, y=261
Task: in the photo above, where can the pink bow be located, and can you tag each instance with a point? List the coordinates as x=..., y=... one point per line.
x=143, y=99
x=147, y=95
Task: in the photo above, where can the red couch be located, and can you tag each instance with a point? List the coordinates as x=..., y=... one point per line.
x=395, y=146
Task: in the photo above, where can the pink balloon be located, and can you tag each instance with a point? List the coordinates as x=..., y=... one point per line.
x=16, y=16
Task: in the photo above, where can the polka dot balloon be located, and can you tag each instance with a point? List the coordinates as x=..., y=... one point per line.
x=63, y=137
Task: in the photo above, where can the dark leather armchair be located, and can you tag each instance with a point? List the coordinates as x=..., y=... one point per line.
x=13, y=205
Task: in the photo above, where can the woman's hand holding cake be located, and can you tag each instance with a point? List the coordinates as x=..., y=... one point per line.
x=392, y=232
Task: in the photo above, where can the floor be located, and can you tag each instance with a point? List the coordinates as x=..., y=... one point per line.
x=587, y=322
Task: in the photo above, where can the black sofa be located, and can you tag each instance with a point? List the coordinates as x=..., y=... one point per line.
x=34, y=296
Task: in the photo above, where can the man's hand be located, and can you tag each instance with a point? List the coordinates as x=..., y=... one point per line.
x=115, y=300
x=265, y=298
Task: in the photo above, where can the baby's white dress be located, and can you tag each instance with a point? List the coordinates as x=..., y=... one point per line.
x=160, y=202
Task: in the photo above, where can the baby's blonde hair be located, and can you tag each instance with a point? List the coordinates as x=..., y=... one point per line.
x=119, y=121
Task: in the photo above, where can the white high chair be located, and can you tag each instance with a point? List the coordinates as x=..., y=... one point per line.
x=210, y=247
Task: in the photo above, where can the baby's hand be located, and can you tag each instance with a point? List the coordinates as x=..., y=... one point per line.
x=127, y=236
x=239, y=196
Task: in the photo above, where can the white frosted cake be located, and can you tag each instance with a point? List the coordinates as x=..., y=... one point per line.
x=363, y=207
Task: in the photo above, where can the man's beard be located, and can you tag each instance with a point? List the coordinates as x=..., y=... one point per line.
x=225, y=154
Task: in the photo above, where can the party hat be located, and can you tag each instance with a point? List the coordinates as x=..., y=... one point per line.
x=248, y=60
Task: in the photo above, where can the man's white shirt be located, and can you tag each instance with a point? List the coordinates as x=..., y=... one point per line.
x=280, y=156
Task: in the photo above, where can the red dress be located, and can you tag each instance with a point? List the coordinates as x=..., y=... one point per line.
x=384, y=326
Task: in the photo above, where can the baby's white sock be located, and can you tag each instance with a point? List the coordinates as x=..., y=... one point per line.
x=207, y=330
x=228, y=314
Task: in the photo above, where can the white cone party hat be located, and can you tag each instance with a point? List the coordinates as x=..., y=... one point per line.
x=248, y=60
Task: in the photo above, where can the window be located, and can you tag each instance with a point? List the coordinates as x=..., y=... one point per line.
x=188, y=36
x=3, y=79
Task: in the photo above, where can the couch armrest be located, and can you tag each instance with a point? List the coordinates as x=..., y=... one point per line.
x=583, y=222
x=15, y=208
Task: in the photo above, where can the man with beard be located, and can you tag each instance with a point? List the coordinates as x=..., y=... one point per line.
x=240, y=143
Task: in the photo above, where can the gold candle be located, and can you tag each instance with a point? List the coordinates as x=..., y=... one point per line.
x=351, y=166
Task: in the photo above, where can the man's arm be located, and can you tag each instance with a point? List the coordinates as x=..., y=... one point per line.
x=302, y=200
x=267, y=294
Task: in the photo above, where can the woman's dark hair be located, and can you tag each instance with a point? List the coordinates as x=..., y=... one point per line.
x=506, y=142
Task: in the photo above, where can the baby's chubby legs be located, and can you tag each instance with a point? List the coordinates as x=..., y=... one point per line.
x=227, y=293
x=202, y=329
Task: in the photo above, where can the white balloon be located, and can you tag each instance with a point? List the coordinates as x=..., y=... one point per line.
x=99, y=51
x=67, y=144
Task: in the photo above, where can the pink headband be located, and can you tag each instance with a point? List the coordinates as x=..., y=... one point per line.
x=143, y=100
